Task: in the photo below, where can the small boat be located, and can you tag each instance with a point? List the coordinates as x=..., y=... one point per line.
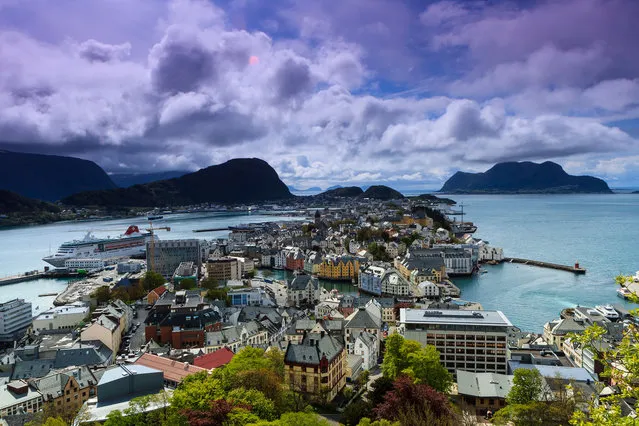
x=155, y=217
x=624, y=293
x=607, y=311
x=483, y=271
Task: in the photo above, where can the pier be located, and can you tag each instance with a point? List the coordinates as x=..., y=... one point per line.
x=211, y=229
x=36, y=275
x=574, y=269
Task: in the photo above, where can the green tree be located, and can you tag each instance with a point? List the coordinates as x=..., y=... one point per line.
x=296, y=419
x=209, y=283
x=197, y=391
x=260, y=405
x=527, y=387
x=102, y=294
x=421, y=363
x=152, y=280
x=217, y=294
x=187, y=284
x=383, y=422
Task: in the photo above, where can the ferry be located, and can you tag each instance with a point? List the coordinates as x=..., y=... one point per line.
x=624, y=293
x=131, y=243
x=607, y=311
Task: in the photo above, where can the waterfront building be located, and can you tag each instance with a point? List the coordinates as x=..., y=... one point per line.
x=488, y=253
x=86, y=264
x=295, y=260
x=168, y=254
x=370, y=279
x=317, y=365
x=417, y=270
x=129, y=267
x=339, y=268
x=246, y=265
x=304, y=289
x=66, y=317
x=394, y=284
x=173, y=372
x=17, y=397
x=556, y=331
x=466, y=340
x=224, y=269
x=15, y=319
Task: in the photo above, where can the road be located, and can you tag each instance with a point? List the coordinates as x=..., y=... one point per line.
x=137, y=337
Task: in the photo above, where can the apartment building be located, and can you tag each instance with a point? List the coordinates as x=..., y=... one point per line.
x=317, y=365
x=168, y=254
x=224, y=268
x=466, y=340
x=15, y=319
x=65, y=318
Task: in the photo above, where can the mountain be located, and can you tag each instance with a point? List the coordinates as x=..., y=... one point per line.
x=381, y=192
x=311, y=189
x=334, y=187
x=49, y=177
x=435, y=199
x=242, y=180
x=524, y=178
x=124, y=180
x=349, y=192
x=10, y=202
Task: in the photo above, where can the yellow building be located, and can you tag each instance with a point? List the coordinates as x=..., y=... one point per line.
x=316, y=366
x=418, y=270
x=339, y=268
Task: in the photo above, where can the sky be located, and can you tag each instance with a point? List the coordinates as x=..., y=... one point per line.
x=350, y=92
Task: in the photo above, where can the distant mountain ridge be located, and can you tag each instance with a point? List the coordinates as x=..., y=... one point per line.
x=382, y=192
x=10, y=202
x=125, y=180
x=524, y=178
x=241, y=180
x=50, y=177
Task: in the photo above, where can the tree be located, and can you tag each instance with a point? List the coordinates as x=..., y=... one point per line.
x=102, y=294
x=260, y=405
x=378, y=390
x=367, y=422
x=355, y=412
x=49, y=421
x=216, y=415
x=187, y=284
x=152, y=280
x=414, y=405
x=209, y=283
x=217, y=294
x=296, y=419
x=421, y=363
x=527, y=387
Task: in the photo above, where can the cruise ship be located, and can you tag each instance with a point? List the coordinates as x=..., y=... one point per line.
x=131, y=243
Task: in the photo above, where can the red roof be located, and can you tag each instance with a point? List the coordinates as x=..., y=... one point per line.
x=160, y=290
x=173, y=370
x=215, y=359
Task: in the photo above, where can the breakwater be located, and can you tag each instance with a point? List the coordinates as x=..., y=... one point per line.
x=36, y=275
x=576, y=269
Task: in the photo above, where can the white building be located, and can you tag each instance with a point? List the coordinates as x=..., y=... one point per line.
x=394, y=283
x=280, y=259
x=246, y=265
x=304, y=289
x=17, y=397
x=65, y=317
x=487, y=253
x=466, y=340
x=88, y=264
x=429, y=289
x=15, y=319
x=364, y=319
x=366, y=347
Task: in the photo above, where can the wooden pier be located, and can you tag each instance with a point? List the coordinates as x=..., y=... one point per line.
x=574, y=269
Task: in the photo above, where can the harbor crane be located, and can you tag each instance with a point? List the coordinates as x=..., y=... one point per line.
x=151, y=256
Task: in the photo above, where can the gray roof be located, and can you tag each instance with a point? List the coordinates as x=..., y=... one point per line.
x=362, y=319
x=483, y=385
x=95, y=353
x=301, y=282
x=568, y=325
x=312, y=348
x=423, y=316
x=52, y=385
x=34, y=368
x=366, y=337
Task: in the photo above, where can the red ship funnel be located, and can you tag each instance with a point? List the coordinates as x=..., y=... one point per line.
x=132, y=230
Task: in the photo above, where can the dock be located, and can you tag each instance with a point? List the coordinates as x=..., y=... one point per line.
x=574, y=269
x=36, y=275
x=211, y=229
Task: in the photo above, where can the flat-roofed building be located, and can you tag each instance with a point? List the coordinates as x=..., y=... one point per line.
x=168, y=254
x=224, y=268
x=466, y=340
x=66, y=317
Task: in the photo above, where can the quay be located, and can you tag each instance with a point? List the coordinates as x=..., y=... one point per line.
x=574, y=269
x=211, y=229
x=36, y=275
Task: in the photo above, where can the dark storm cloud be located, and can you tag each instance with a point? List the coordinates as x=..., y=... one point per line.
x=292, y=78
x=181, y=64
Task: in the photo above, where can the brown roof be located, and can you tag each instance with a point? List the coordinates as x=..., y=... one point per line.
x=175, y=371
x=159, y=290
x=215, y=359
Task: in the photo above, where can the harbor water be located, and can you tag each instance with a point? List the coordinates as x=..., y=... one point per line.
x=599, y=231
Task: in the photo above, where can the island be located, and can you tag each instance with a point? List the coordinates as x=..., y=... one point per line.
x=524, y=178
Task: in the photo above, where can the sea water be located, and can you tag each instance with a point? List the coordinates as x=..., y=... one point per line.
x=599, y=231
